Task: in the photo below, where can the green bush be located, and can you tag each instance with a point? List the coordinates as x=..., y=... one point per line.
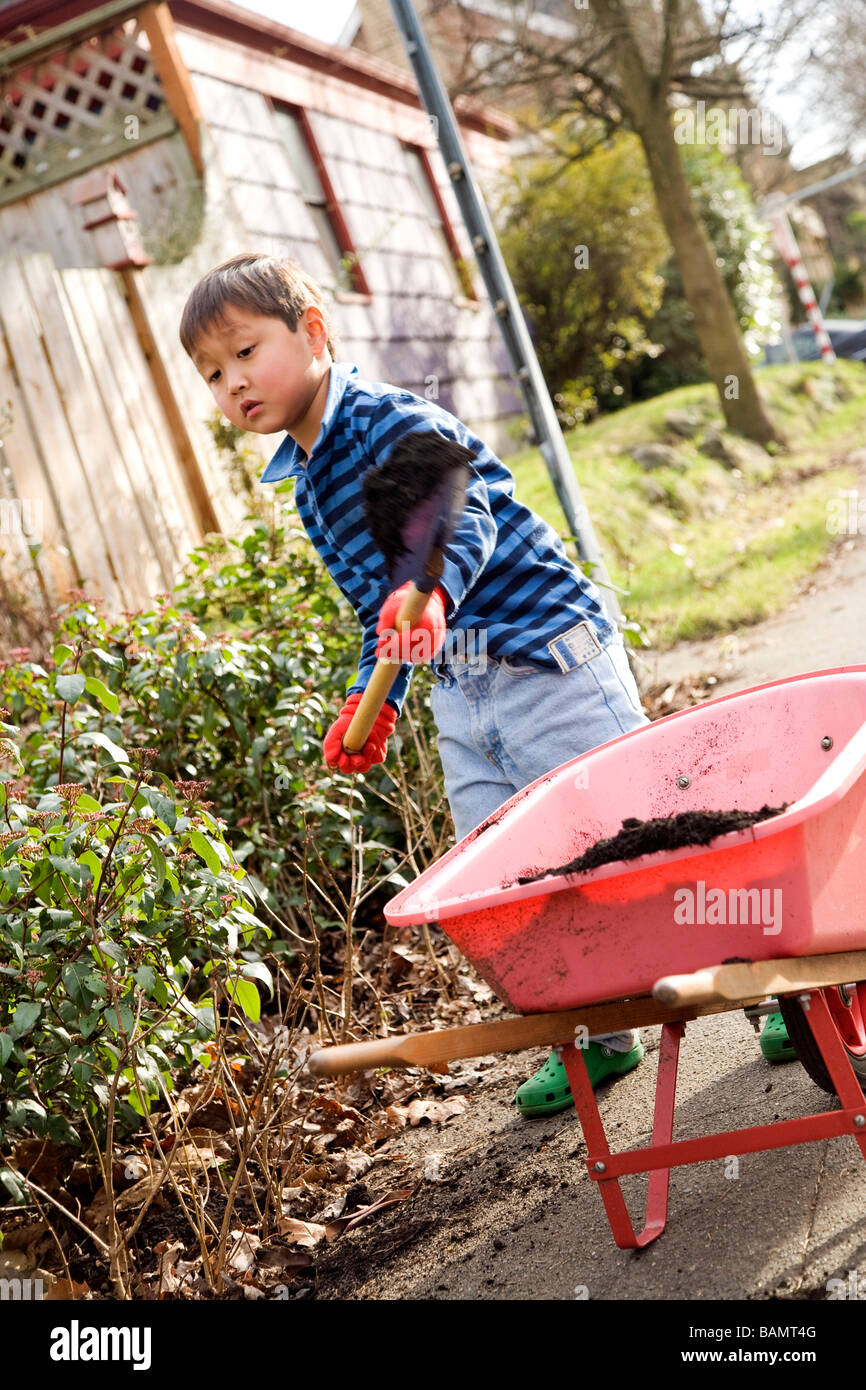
x=230, y=682
x=614, y=325
x=116, y=916
x=234, y=678
x=585, y=245
x=849, y=288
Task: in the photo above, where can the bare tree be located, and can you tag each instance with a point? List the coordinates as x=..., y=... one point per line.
x=834, y=48
x=618, y=68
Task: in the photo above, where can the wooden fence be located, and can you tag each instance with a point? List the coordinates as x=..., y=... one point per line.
x=100, y=486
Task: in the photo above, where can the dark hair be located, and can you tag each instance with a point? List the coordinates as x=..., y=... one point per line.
x=270, y=285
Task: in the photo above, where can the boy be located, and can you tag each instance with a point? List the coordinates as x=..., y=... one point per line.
x=554, y=680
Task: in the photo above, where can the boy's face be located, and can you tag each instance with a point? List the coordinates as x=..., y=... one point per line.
x=263, y=376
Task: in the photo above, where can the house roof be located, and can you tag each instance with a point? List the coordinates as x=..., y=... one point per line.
x=24, y=21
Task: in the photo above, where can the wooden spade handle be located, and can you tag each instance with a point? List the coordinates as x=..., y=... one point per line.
x=384, y=675
x=761, y=977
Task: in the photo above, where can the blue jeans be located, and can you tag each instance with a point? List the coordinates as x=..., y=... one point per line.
x=502, y=725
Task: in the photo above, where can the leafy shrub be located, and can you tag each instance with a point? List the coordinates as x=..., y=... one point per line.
x=618, y=327
x=236, y=679
x=849, y=288
x=115, y=915
x=585, y=246
x=230, y=681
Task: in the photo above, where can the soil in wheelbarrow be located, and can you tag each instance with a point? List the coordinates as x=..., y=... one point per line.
x=639, y=837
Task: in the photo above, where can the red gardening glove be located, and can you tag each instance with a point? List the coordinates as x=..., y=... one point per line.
x=418, y=643
x=374, y=749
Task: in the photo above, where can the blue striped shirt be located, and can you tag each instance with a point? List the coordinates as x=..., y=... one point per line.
x=506, y=571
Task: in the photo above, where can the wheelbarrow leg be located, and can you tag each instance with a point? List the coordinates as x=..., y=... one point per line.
x=597, y=1145
x=836, y=1059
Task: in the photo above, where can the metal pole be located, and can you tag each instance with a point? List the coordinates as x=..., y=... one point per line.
x=504, y=300
x=790, y=252
x=772, y=208
x=779, y=200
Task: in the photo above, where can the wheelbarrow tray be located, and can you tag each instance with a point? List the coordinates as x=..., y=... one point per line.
x=788, y=886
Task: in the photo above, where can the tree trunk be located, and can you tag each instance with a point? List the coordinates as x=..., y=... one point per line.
x=724, y=351
x=715, y=321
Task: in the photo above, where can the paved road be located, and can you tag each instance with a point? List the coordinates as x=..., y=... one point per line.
x=513, y=1214
x=825, y=627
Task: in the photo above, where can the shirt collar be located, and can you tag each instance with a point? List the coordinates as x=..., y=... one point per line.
x=290, y=459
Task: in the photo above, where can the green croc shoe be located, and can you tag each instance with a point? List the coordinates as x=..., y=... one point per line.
x=548, y=1090
x=775, y=1043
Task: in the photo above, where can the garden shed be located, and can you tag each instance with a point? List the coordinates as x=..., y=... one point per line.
x=140, y=144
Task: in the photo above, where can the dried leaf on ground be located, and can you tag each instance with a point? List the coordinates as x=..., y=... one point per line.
x=397, y=1087
x=479, y=989
x=328, y=1106
x=433, y=1111
x=303, y=1233
x=278, y=1258
x=660, y=699
x=207, y=1105
x=352, y=1164
x=143, y=1191
x=346, y=1223
x=96, y=1215
x=16, y=1264
x=40, y=1159
x=330, y=1212
x=317, y=1173
x=22, y=1237
x=346, y=1124
x=244, y=1251
x=458, y=1011
x=169, y=1280
x=67, y=1289
x=202, y=1156
x=84, y=1177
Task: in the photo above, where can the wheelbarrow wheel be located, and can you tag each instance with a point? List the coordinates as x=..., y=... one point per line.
x=847, y=1005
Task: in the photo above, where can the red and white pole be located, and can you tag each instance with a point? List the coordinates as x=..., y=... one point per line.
x=790, y=252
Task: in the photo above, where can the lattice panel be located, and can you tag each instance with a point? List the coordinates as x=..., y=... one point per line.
x=55, y=115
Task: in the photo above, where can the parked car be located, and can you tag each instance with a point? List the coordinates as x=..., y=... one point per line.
x=848, y=337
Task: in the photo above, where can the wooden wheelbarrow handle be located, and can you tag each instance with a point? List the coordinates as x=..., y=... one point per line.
x=676, y=997
x=762, y=977
x=503, y=1035
x=383, y=677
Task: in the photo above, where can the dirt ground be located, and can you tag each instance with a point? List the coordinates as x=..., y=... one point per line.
x=503, y=1208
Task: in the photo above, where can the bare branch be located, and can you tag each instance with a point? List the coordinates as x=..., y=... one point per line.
x=669, y=40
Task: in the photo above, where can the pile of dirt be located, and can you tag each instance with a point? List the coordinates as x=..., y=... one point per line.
x=639, y=837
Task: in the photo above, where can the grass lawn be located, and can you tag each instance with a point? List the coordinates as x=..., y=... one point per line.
x=704, y=545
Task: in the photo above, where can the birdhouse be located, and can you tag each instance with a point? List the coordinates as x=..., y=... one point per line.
x=111, y=220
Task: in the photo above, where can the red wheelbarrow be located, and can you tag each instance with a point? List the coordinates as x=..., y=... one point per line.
x=776, y=909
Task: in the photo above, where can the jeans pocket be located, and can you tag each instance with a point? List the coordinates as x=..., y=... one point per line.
x=520, y=671
x=625, y=677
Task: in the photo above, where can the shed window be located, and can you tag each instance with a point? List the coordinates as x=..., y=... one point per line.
x=431, y=200
x=318, y=194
